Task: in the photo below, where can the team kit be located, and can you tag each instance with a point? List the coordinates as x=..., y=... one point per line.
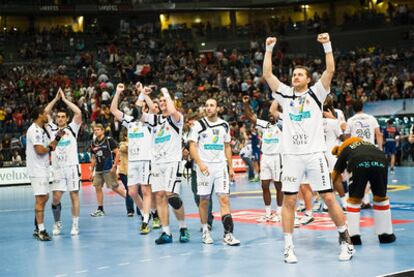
x=308, y=149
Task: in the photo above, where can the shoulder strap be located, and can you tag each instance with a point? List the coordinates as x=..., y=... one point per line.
x=173, y=125
x=313, y=95
x=203, y=125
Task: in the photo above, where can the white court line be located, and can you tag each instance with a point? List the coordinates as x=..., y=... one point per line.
x=185, y=254
x=145, y=260
x=61, y=275
x=103, y=267
x=399, y=229
x=263, y=243
x=165, y=257
x=81, y=271
x=393, y=273
x=123, y=264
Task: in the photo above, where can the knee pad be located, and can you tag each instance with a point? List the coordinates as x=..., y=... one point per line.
x=175, y=201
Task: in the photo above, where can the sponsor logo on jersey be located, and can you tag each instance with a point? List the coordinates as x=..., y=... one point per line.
x=300, y=116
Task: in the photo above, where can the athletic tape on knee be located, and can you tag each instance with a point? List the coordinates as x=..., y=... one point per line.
x=56, y=209
x=227, y=223
x=382, y=217
x=175, y=202
x=353, y=216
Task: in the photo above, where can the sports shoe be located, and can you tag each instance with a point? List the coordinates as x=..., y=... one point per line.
x=44, y=236
x=75, y=230
x=289, y=255
x=229, y=239
x=264, y=218
x=36, y=234
x=392, y=171
x=97, y=213
x=301, y=208
x=347, y=251
x=356, y=240
x=317, y=206
x=184, y=235
x=275, y=218
x=306, y=219
x=254, y=180
x=296, y=222
x=164, y=238
x=156, y=223
x=130, y=214
x=387, y=238
x=207, y=239
x=144, y=229
x=57, y=228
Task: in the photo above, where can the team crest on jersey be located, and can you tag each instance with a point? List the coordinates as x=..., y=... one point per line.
x=203, y=135
x=160, y=132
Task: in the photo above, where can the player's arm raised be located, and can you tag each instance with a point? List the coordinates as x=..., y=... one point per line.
x=270, y=78
x=114, y=104
x=248, y=110
x=51, y=104
x=327, y=75
x=172, y=111
x=77, y=113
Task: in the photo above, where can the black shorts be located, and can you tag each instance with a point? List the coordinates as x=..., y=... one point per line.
x=371, y=172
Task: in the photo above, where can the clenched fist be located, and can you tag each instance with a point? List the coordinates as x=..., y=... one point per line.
x=323, y=38
x=120, y=87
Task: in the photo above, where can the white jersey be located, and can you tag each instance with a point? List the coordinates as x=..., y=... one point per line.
x=302, y=119
x=332, y=132
x=211, y=138
x=340, y=115
x=362, y=125
x=271, y=137
x=139, y=139
x=37, y=165
x=66, y=152
x=166, y=137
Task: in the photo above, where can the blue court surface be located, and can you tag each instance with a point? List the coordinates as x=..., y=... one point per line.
x=112, y=246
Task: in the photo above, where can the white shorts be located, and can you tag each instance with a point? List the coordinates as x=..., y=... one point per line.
x=139, y=172
x=331, y=160
x=166, y=177
x=218, y=178
x=40, y=185
x=314, y=166
x=271, y=167
x=66, y=178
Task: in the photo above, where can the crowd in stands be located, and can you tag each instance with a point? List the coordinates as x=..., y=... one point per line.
x=89, y=75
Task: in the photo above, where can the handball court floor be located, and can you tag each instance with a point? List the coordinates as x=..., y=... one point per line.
x=112, y=246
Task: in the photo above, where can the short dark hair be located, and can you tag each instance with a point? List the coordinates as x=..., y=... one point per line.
x=65, y=111
x=357, y=105
x=36, y=112
x=307, y=70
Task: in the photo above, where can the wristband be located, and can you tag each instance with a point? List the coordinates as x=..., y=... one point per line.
x=141, y=97
x=50, y=148
x=269, y=48
x=327, y=47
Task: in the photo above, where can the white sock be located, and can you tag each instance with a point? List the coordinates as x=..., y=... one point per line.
x=342, y=228
x=343, y=201
x=279, y=210
x=146, y=218
x=205, y=227
x=288, y=239
x=166, y=229
x=382, y=216
x=354, y=216
x=182, y=224
x=268, y=210
x=75, y=220
x=41, y=226
x=366, y=200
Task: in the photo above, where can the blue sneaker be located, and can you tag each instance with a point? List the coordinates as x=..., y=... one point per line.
x=184, y=235
x=164, y=238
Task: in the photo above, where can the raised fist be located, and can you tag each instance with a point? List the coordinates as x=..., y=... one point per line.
x=120, y=87
x=246, y=99
x=271, y=41
x=323, y=38
x=147, y=90
x=138, y=86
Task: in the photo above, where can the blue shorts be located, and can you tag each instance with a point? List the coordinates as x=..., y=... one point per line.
x=256, y=155
x=390, y=148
